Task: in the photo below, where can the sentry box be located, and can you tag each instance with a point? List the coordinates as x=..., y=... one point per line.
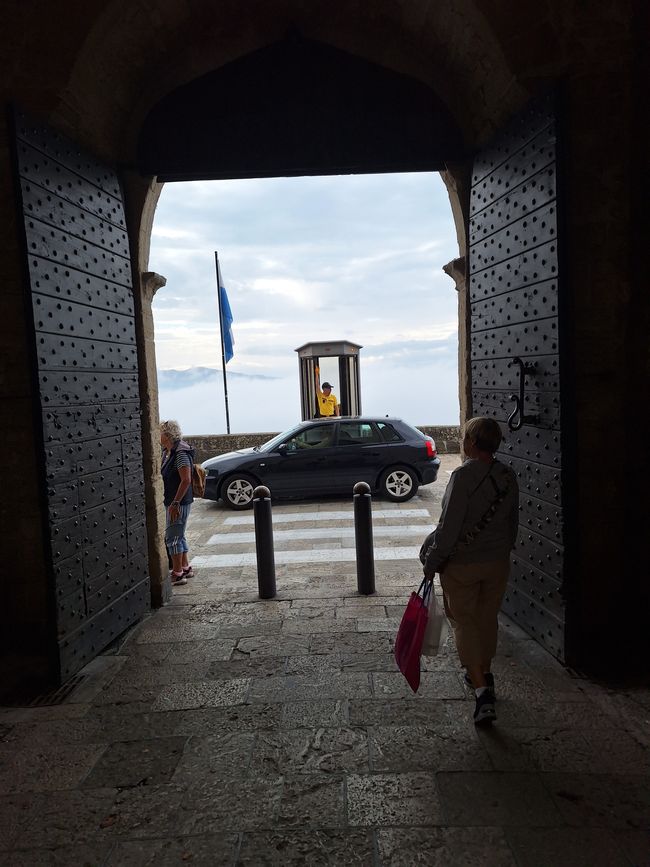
x=347, y=389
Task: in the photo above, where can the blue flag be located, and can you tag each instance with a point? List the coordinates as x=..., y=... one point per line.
x=226, y=318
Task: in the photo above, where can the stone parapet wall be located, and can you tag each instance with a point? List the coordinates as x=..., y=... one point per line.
x=447, y=439
x=209, y=445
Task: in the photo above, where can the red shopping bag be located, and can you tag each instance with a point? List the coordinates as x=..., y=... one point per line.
x=408, y=643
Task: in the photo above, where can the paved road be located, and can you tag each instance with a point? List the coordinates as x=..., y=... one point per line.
x=317, y=531
x=224, y=730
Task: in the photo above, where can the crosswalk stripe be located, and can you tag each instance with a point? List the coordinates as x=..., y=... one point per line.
x=321, y=556
x=330, y=533
x=289, y=517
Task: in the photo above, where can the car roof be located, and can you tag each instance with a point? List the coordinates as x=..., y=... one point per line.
x=360, y=418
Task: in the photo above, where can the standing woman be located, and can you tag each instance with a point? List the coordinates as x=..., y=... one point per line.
x=471, y=551
x=177, y=479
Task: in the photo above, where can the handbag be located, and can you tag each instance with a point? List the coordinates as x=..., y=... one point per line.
x=424, y=549
x=437, y=628
x=410, y=635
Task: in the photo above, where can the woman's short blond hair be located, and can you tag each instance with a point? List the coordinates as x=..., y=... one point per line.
x=172, y=429
x=484, y=433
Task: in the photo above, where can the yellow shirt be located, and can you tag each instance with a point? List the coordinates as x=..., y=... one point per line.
x=327, y=405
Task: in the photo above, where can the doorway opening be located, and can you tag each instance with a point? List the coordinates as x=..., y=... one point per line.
x=354, y=257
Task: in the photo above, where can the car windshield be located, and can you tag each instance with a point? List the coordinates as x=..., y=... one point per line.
x=280, y=438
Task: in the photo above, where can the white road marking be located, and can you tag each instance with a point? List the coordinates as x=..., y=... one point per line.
x=284, y=557
x=289, y=517
x=329, y=533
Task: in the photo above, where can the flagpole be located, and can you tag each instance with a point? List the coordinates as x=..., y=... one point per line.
x=223, y=348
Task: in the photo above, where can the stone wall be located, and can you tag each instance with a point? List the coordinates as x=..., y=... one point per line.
x=209, y=445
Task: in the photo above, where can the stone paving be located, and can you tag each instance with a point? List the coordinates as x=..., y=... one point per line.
x=224, y=730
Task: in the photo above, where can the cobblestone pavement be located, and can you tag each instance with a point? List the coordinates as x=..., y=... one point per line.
x=224, y=730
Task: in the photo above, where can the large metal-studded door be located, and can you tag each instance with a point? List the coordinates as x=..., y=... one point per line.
x=515, y=351
x=86, y=364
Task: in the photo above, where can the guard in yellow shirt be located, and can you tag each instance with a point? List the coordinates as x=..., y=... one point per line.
x=328, y=404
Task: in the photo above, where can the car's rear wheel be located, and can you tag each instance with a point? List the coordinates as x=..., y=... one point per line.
x=399, y=484
x=237, y=491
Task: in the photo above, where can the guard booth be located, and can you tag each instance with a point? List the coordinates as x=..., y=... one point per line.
x=346, y=389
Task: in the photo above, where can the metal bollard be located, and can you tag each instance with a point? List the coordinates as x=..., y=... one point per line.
x=264, y=542
x=363, y=537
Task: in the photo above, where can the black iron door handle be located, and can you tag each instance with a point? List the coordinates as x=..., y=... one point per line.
x=518, y=418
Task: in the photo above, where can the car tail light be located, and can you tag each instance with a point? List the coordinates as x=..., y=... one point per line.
x=431, y=448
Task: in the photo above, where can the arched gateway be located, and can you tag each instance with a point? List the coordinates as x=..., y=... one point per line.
x=292, y=105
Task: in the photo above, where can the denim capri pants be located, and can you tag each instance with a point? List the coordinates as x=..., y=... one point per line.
x=175, y=532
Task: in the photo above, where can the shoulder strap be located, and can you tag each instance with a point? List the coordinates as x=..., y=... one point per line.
x=484, y=520
x=488, y=474
x=496, y=487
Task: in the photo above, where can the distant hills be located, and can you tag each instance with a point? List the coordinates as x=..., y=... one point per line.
x=171, y=379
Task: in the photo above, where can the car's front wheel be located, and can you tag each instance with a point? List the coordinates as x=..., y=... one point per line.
x=237, y=491
x=399, y=484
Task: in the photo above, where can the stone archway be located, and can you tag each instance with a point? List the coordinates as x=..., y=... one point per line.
x=332, y=119
x=341, y=103
x=146, y=53
x=423, y=149
x=99, y=79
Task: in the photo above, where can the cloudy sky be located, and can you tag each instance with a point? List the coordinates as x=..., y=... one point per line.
x=305, y=259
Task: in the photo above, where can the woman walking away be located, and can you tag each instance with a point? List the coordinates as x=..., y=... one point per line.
x=177, y=462
x=471, y=551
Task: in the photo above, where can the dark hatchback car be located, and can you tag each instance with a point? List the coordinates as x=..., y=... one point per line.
x=327, y=456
